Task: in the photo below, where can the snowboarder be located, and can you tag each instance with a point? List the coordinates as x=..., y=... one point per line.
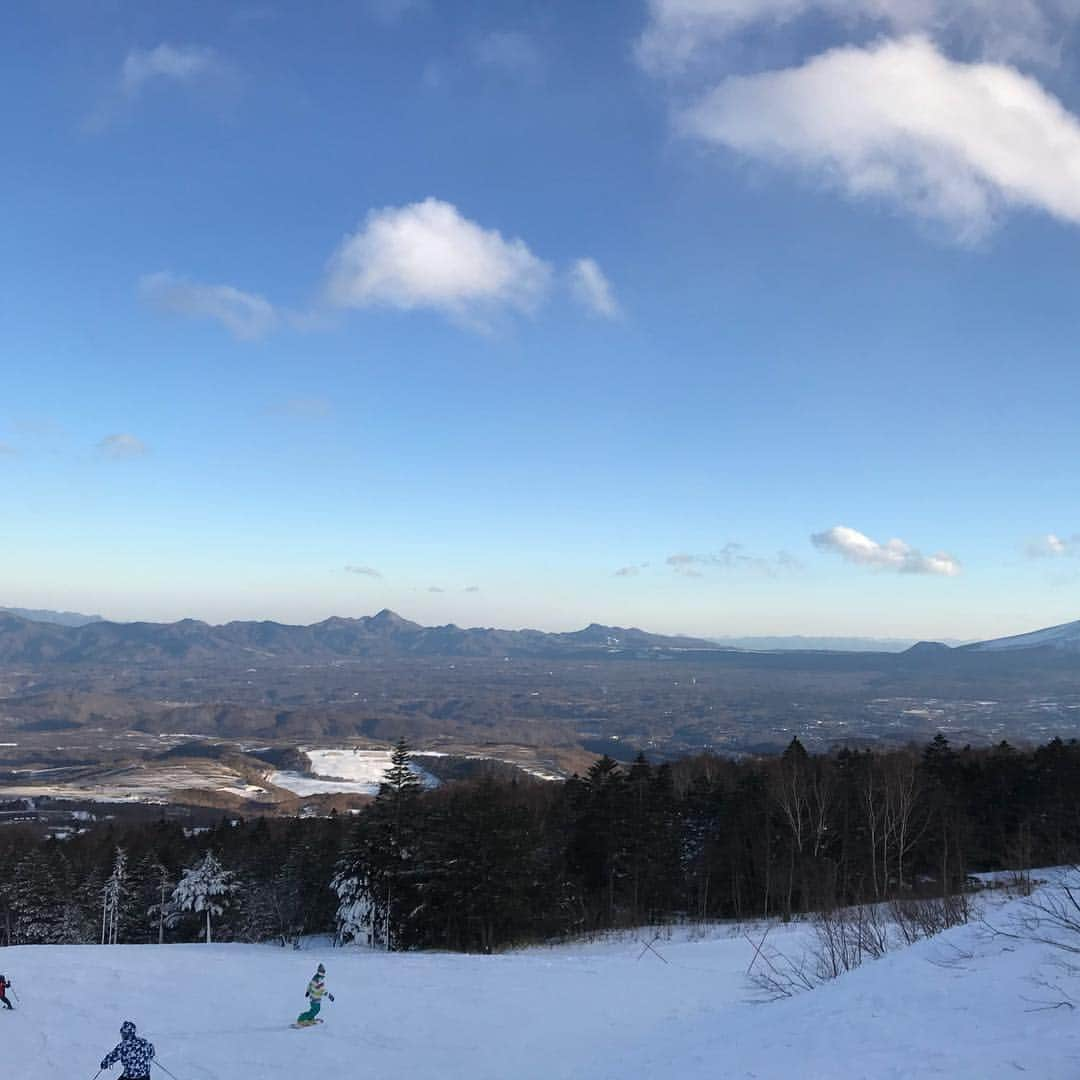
x=315, y=992
x=5, y=982
x=133, y=1053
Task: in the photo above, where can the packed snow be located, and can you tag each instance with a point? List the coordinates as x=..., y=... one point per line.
x=962, y=1005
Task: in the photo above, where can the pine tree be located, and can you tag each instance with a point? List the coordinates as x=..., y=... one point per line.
x=206, y=889
x=376, y=881
x=115, y=894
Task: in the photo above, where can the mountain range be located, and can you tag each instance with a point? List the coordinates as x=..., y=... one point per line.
x=64, y=639
x=386, y=634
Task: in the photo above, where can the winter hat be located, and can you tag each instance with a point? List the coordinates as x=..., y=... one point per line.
x=127, y=1030
x=320, y=970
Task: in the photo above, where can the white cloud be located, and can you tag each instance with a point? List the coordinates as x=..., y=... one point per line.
x=510, y=53
x=680, y=32
x=245, y=315
x=593, y=290
x=363, y=571
x=427, y=255
x=121, y=446
x=171, y=63
x=732, y=556
x=198, y=71
x=899, y=121
x=1052, y=546
x=858, y=548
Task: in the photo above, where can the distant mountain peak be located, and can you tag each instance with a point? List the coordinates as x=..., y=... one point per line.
x=927, y=648
x=55, y=618
x=1063, y=638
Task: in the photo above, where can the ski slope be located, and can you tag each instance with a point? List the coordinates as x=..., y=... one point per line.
x=959, y=1006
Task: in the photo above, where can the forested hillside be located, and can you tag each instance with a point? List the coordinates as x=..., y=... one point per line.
x=481, y=865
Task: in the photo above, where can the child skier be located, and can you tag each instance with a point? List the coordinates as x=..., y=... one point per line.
x=5, y=982
x=134, y=1054
x=315, y=992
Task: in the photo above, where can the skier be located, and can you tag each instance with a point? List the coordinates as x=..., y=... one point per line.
x=133, y=1053
x=315, y=992
x=5, y=982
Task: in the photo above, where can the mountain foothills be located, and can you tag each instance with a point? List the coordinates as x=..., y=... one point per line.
x=386, y=634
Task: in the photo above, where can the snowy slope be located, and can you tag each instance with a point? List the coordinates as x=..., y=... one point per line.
x=588, y=1011
x=1065, y=637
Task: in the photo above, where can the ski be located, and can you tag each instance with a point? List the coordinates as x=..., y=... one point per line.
x=309, y=1023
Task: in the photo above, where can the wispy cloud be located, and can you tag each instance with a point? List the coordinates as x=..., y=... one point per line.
x=195, y=70
x=245, y=315
x=472, y=588
x=428, y=255
x=509, y=53
x=389, y=12
x=165, y=62
x=7, y=450
x=435, y=588
x=680, y=32
x=856, y=547
x=303, y=408
x=900, y=122
x=1052, y=546
x=363, y=571
x=121, y=446
x=732, y=556
x=593, y=290
x=632, y=570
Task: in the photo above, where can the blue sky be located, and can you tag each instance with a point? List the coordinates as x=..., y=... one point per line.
x=710, y=316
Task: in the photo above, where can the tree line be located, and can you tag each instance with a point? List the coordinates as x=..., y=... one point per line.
x=488, y=863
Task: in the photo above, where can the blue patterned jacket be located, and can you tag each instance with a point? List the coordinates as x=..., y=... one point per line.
x=135, y=1054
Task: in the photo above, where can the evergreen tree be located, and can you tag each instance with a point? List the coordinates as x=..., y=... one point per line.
x=115, y=896
x=205, y=889
x=377, y=880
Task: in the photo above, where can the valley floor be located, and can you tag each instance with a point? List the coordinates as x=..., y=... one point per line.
x=962, y=1005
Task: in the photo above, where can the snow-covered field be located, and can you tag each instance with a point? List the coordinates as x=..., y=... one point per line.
x=357, y=772
x=962, y=1005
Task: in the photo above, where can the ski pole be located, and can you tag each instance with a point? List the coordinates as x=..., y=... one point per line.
x=17, y=998
x=163, y=1069
x=97, y=1074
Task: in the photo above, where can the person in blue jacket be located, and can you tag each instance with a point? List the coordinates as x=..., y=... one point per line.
x=133, y=1053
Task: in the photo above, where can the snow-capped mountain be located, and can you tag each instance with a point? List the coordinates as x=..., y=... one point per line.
x=1065, y=638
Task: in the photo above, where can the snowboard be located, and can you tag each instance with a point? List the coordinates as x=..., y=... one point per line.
x=310, y=1023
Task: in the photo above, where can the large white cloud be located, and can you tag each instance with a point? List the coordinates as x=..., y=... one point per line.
x=427, y=255
x=680, y=31
x=856, y=547
x=899, y=121
x=246, y=315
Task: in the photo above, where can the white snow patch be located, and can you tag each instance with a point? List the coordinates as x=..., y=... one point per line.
x=344, y=771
